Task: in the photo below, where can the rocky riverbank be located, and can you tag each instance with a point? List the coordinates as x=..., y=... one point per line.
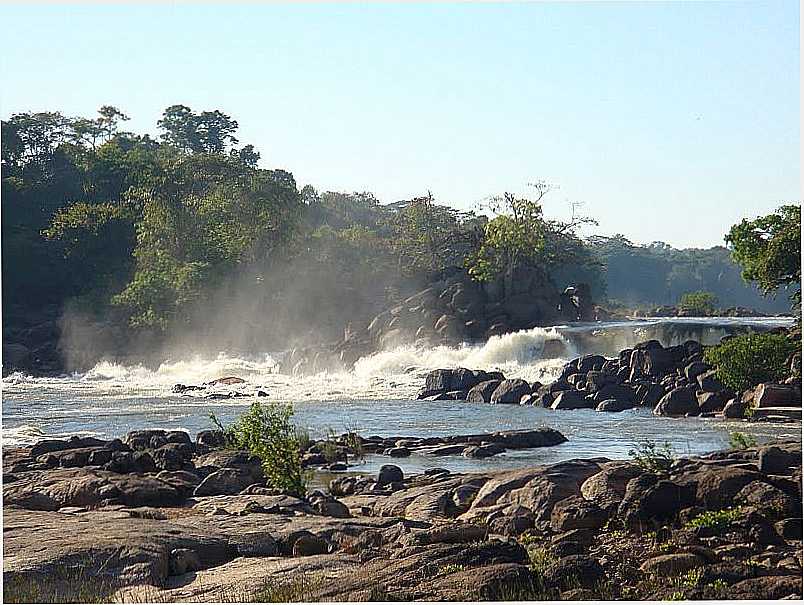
x=157, y=516
x=673, y=381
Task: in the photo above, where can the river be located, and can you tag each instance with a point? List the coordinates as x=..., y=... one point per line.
x=378, y=396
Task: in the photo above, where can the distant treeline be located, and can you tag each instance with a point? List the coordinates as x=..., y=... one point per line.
x=163, y=233
x=658, y=274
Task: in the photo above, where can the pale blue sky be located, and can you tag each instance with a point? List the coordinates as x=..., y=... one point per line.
x=670, y=121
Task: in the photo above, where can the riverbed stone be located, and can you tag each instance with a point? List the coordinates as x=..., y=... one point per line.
x=510, y=391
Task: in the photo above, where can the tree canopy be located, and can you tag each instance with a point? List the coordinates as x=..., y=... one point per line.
x=769, y=250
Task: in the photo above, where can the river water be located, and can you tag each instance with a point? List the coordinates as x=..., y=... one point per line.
x=378, y=396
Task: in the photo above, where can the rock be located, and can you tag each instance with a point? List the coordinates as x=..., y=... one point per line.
x=607, y=488
x=650, y=394
x=716, y=486
x=526, y=439
x=211, y=439
x=648, y=500
x=596, y=380
x=388, y=474
x=767, y=498
x=330, y=507
x=309, y=544
x=766, y=588
x=678, y=402
x=481, y=393
x=790, y=529
x=590, y=362
x=574, y=571
x=226, y=481
x=510, y=391
x=695, y=369
x=769, y=395
x=612, y=405
x=709, y=402
x=571, y=400
x=776, y=460
x=182, y=481
x=734, y=409
x=227, y=380
x=257, y=544
x=668, y=566
x=709, y=382
x=398, y=452
x=576, y=513
x=566, y=548
x=438, y=381
x=146, y=491
x=182, y=561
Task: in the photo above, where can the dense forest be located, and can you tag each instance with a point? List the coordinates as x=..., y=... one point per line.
x=186, y=234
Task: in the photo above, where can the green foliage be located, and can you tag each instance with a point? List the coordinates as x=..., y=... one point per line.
x=652, y=457
x=769, y=250
x=515, y=235
x=717, y=520
x=744, y=361
x=657, y=274
x=741, y=441
x=266, y=432
x=699, y=304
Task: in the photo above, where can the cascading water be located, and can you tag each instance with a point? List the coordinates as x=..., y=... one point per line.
x=377, y=396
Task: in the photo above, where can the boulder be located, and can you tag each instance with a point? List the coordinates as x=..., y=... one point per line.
x=710, y=403
x=768, y=588
x=226, y=481
x=768, y=395
x=668, y=566
x=770, y=500
x=709, y=382
x=650, y=394
x=481, y=393
x=678, y=402
x=734, y=409
x=510, y=391
x=389, y=473
x=577, y=513
x=612, y=405
x=695, y=369
x=649, y=501
x=574, y=571
x=571, y=400
x=607, y=488
x=779, y=460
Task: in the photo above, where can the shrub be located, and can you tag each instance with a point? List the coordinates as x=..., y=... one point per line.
x=652, y=457
x=698, y=303
x=741, y=441
x=717, y=520
x=266, y=432
x=745, y=361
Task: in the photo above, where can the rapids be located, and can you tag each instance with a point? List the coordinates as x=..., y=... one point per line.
x=378, y=395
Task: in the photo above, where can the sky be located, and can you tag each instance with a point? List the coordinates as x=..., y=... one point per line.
x=666, y=121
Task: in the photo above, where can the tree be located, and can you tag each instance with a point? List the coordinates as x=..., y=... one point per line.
x=769, y=250
x=516, y=235
x=698, y=304
x=205, y=132
x=428, y=236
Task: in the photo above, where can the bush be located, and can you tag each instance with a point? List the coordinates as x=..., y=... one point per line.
x=266, y=432
x=741, y=441
x=745, y=361
x=717, y=520
x=698, y=303
x=652, y=457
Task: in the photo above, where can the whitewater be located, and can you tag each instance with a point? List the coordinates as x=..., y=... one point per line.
x=376, y=397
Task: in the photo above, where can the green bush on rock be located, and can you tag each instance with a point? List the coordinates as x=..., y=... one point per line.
x=745, y=361
x=267, y=432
